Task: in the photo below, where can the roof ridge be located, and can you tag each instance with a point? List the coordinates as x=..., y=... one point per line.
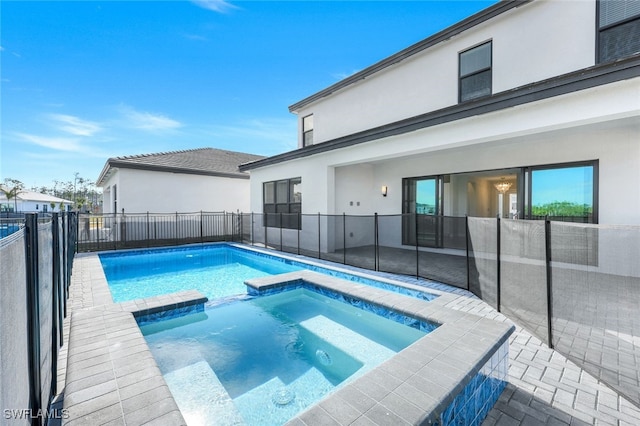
x=149, y=154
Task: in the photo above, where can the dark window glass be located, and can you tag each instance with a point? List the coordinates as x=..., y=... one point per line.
x=282, y=191
x=620, y=41
x=616, y=11
x=476, y=86
x=269, y=193
x=296, y=190
x=283, y=203
x=307, y=130
x=618, y=29
x=475, y=72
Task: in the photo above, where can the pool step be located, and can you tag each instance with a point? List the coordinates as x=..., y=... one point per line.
x=201, y=398
x=355, y=345
x=278, y=401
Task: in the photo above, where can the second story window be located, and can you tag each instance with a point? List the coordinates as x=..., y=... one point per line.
x=618, y=29
x=307, y=130
x=475, y=72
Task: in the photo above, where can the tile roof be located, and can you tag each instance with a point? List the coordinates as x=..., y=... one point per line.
x=200, y=161
x=26, y=195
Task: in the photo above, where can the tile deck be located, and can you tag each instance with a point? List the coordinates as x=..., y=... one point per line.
x=110, y=377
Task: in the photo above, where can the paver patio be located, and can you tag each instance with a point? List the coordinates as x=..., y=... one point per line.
x=544, y=387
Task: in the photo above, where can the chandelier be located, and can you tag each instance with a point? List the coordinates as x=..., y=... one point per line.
x=503, y=186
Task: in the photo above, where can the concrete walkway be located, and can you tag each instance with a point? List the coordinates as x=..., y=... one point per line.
x=544, y=387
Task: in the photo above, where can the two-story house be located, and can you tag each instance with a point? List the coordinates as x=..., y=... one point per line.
x=526, y=109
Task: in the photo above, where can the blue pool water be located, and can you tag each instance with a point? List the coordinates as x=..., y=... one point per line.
x=217, y=271
x=262, y=361
x=6, y=230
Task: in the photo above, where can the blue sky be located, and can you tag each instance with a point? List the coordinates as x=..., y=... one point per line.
x=83, y=81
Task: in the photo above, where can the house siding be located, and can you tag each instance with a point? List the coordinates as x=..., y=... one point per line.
x=531, y=43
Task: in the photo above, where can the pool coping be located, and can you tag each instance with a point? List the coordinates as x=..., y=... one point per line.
x=428, y=373
x=112, y=376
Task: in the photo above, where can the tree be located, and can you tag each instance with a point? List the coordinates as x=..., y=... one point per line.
x=11, y=189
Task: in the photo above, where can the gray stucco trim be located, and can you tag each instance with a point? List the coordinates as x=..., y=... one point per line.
x=568, y=83
x=441, y=36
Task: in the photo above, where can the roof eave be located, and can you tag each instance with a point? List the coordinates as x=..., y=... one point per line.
x=597, y=75
x=113, y=163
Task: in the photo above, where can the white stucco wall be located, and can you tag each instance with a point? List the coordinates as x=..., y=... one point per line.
x=141, y=191
x=602, y=123
x=533, y=42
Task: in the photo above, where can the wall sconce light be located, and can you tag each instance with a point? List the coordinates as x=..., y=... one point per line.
x=384, y=190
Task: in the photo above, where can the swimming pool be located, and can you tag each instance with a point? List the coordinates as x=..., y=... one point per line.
x=216, y=270
x=266, y=359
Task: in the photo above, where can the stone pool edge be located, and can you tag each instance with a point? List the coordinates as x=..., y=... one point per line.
x=417, y=385
x=113, y=379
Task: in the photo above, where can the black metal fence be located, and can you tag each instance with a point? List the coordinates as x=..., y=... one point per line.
x=575, y=286
x=36, y=258
x=131, y=230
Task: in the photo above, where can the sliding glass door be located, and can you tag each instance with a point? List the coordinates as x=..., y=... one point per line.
x=422, y=200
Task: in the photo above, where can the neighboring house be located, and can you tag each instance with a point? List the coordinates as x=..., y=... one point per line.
x=34, y=202
x=193, y=180
x=524, y=109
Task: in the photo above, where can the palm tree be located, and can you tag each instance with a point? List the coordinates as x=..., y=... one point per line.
x=15, y=190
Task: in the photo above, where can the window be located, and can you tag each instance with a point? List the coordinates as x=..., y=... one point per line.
x=475, y=72
x=618, y=29
x=565, y=193
x=283, y=203
x=115, y=198
x=307, y=130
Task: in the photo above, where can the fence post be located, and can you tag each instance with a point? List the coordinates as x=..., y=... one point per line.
x=201, y=228
x=375, y=241
x=498, y=264
x=33, y=309
x=280, y=231
x=466, y=235
x=56, y=320
x=251, y=236
x=344, y=238
x=224, y=225
x=148, y=229
x=64, y=263
x=319, y=248
x=299, y=228
x=547, y=244
x=265, y=218
x=417, y=249
x=176, y=228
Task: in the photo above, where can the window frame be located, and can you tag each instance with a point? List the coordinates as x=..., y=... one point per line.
x=306, y=131
x=273, y=212
x=477, y=72
x=528, y=172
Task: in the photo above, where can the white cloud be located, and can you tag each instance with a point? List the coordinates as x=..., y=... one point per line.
x=220, y=6
x=75, y=125
x=61, y=144
x=148, y=121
